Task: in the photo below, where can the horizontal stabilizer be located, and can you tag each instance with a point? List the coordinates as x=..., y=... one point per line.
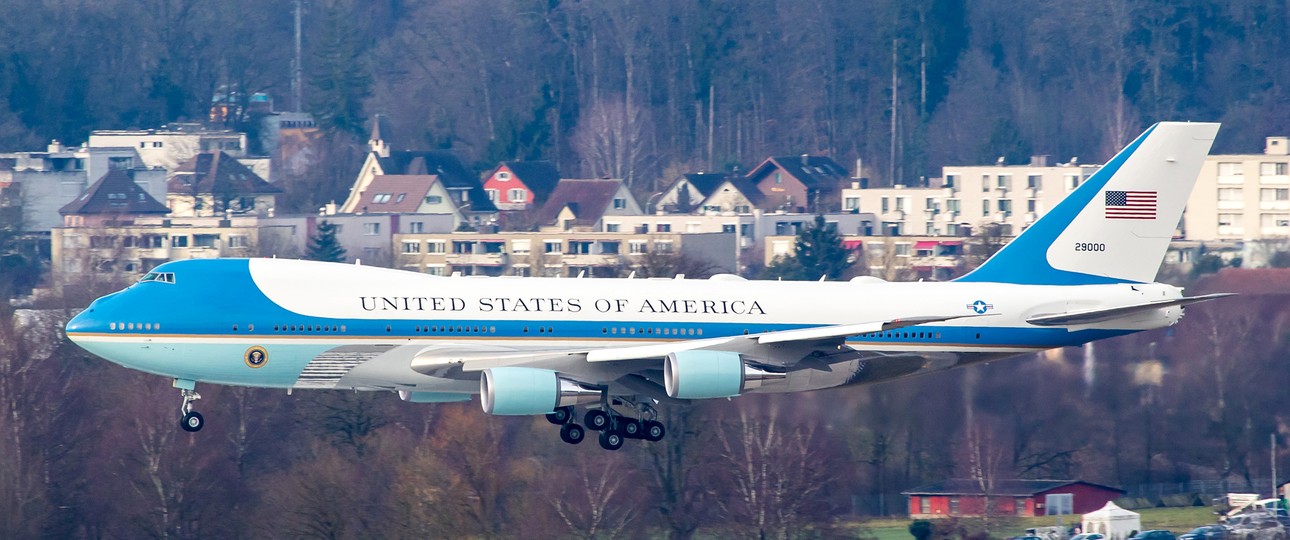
x=1091, y=316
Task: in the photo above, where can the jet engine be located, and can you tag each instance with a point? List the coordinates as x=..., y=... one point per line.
x=522, y=391
x=711, y=374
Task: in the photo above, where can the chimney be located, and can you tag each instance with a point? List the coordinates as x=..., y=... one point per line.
x=55, y=147
x=1039, y=160
x=859, y=168
x=806, y=158
x=1277, y=146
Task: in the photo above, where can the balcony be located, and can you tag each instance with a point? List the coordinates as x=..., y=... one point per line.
x=476, y=259
x=1031, y=193
x=1231, y=230
x=1278, y=179
x=1274, y=205
x=1231, y=205
x=1231, y=179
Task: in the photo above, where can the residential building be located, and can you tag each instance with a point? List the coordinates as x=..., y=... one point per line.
x=555, y=253
x=464, y=189
x=521, y=185
x=1020, y=498
x=750, y=228
x=1242, y=197
x=803, y=183
x=737, y=195
x=112, y=200
x=583, y=204
x=215, y=184
x=45, y=181
x=966, y=197
x=176, y=143
x=893, y=258
x=687, y=194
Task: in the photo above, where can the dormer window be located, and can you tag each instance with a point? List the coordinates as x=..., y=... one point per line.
x=503, y=176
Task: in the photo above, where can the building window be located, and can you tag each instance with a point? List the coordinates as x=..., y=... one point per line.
x=520, y=247
x=663, y=246
x=1030, y=205
x=954, y=506
x=611, y=227
x=381, y=198
x=637, y=247
x=157, y=144
x=902, y=249
x=1033, y=181
x=1021, y=506
x=1230, y=194
x=371, y=229
x=504, y=176
x=1003, y=181
x=436, y=269
x=436, y=246
x=1272, y=169
x=952, y=205
x=1277, y=221
x=924, y=505
x=985, y=207
x=985, y=183
x=885, y=205
x=609, y=247
x=416, y=227
x=1228, y=168
x=1228, y=220
x=492, y=194
x=412, y=247
x=620, y=203
x=179, y=241
x=553, y=246
x=434, y=199
x=900, y=204
x=518, y=195
x=1005, y=206
x=728, y=228
x=950, y=180
x=237, y=241
x=851, y=203
x=1274, y=194
x=663, y=227
x=1072, y=182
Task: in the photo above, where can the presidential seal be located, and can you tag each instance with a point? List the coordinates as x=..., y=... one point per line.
x=256, y=357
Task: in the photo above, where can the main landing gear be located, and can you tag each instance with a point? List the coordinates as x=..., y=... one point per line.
x=614, y=428
x=189, y=420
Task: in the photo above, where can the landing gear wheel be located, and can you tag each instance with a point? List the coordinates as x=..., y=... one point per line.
x=611, y=439
x=572, y=433
x=632, y=429
x=654, y=431
x=560, y=416
x=597, y=420
x=192, y=421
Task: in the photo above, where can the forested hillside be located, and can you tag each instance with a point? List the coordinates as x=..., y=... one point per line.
x=640, y=89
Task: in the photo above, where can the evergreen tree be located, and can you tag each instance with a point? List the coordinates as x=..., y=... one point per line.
x=341, y=79
x=323, y=245
x=819, y=252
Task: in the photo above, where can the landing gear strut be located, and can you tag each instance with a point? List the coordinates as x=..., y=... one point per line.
x=615, y=428
x=189, y=420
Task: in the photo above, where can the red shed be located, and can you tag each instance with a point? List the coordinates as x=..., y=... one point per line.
x=963, y=497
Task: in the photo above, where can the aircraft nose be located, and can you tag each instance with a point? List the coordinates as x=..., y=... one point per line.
x=82, y=322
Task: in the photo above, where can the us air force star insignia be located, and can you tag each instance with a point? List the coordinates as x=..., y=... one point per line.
x=980, y=307
x=256, y=357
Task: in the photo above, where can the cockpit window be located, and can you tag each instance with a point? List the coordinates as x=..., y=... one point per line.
x=163, y=277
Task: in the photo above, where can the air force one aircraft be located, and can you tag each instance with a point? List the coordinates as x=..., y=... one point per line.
x=620, y=347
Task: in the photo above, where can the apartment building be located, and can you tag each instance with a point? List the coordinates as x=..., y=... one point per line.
x=966, y=197
x=893, y=258
x=560, y=253
x=1242, y=197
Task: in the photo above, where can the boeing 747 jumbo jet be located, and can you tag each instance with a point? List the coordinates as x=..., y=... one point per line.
x=620, y=347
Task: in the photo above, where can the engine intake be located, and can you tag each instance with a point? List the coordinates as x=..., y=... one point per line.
x=523, y=391
x=711, y=374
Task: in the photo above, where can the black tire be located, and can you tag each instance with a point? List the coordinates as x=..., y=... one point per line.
x=654, y=431
x=192, y=422
x=611, y=439
x=632, y=429
x=597, y=420
x=572, y=433
x=559, y=416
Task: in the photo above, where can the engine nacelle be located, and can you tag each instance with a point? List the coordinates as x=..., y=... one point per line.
x=711, y=374
x=522, y=391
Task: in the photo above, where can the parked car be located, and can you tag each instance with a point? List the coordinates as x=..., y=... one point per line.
x=1153, y=535
x=1256, y=526
x=1206, y=532
x=1091, y=536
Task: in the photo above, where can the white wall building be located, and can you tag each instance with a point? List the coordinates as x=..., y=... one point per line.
x=176, y=143
x=1242, y=196
x=967, y=197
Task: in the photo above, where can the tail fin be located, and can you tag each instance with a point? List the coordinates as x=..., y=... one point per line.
x=1116, y=227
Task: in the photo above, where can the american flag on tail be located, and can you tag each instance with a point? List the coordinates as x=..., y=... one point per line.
x=1131, y=204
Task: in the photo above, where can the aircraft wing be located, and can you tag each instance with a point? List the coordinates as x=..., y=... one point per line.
x=1090, y=316
x=783, y=348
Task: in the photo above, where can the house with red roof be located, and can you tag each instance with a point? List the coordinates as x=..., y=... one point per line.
x=407, y=194
x=216, y=184
x=803, y=183
x=582, y=204
x=521, y=185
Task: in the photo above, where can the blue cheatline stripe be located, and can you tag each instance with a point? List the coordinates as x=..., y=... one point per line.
x=1024, y=261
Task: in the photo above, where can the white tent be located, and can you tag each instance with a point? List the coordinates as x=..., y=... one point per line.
x=1114, y=522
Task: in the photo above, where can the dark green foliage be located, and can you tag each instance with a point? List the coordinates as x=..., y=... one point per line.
x=921, y=529
x=819, y=252
x=341, y=79
x=518, y=140
x=1206, y=264
x=323, y=244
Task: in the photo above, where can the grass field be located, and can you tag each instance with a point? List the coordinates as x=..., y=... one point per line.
x=1178, y=520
